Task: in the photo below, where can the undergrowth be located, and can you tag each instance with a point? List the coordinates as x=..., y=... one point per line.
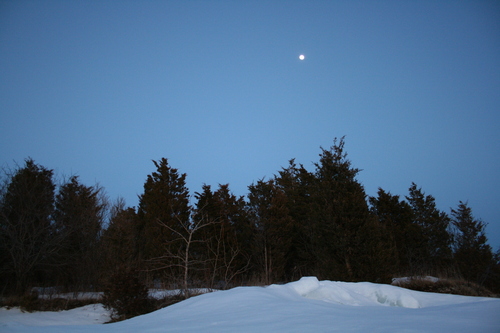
x=152, y=305
x=126, y=296
x=31, y=303
x=447, y=286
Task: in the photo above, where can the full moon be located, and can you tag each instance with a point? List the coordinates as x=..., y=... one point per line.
x=302, y=57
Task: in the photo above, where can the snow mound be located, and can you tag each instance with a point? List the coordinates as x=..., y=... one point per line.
x=357, y=294
x=307, y=305
x=305, y=285
x=366, y=294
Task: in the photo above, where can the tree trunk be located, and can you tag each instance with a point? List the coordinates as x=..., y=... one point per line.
x=186, y=266
x=348, y=266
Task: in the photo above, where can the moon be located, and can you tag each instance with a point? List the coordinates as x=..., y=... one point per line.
x=302, y=57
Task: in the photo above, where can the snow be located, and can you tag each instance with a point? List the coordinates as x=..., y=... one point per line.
x=86, y=315
x=76, y=295
x=46, y=293
x=307, y=305
x=405, y=280
x=162, y=293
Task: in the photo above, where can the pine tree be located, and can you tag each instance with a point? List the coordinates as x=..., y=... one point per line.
x=78, y=218
x=210, y=250
x=435, y=229
x=268, y=206
x=118, y=243
x=165, y=202
x=406, y=237
x=26, y=231
x=474, y=257
x=225, y=243
x=341, y=212
x=298, y=184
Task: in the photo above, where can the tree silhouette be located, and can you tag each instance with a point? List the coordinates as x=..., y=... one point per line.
x=340, y=211
x=434, y=224
x=27, y=237
x=473, y=256
x=165, y=202
x=79, y=217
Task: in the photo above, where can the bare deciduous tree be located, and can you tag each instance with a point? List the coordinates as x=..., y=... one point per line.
x=180, y=256
x=224, y=257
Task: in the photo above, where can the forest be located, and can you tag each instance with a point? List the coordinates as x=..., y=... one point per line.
x=296, y=223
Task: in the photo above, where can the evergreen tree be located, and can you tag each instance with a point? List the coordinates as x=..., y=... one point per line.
x=165, y=202
x=405, y=236
x=119, y=240
x=212, y=237
x=376, y=255
x=341, y=212
x=474, y=257
x=298, y=184
x=226, y=242
x=268, y=206
x=79, y=217
x=27, y=239
x=239, y=237
x=435, y=228
x=493, y=280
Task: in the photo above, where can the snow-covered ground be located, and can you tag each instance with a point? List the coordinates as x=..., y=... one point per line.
x=404, y=280
x=86, y=315
x=307, y=305
x=161, y=293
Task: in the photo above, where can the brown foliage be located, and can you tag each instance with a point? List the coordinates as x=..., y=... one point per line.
x=446, y=286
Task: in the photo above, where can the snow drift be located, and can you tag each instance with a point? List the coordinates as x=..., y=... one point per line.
x=307, y=305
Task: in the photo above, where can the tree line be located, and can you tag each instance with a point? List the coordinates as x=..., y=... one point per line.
x=294, y=224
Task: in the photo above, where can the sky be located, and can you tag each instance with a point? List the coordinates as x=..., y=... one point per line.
x=99, y=89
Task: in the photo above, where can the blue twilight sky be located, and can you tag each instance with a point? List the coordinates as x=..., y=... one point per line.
x=101, y=88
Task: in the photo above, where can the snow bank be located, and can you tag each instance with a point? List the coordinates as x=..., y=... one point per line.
x=307, y=305
x=358, y=294
x=86, y=315
x=305, y=285
x=370, y=294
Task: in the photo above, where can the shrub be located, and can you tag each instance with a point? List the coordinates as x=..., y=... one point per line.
x=125, y=295
x=445, y=286
x=29, y=302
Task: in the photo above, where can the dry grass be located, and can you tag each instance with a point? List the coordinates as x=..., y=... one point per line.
x=446, y=286
x=153, y=305
x=31, y=303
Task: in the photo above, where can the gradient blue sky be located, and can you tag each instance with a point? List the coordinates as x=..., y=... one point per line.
x=100, y=88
